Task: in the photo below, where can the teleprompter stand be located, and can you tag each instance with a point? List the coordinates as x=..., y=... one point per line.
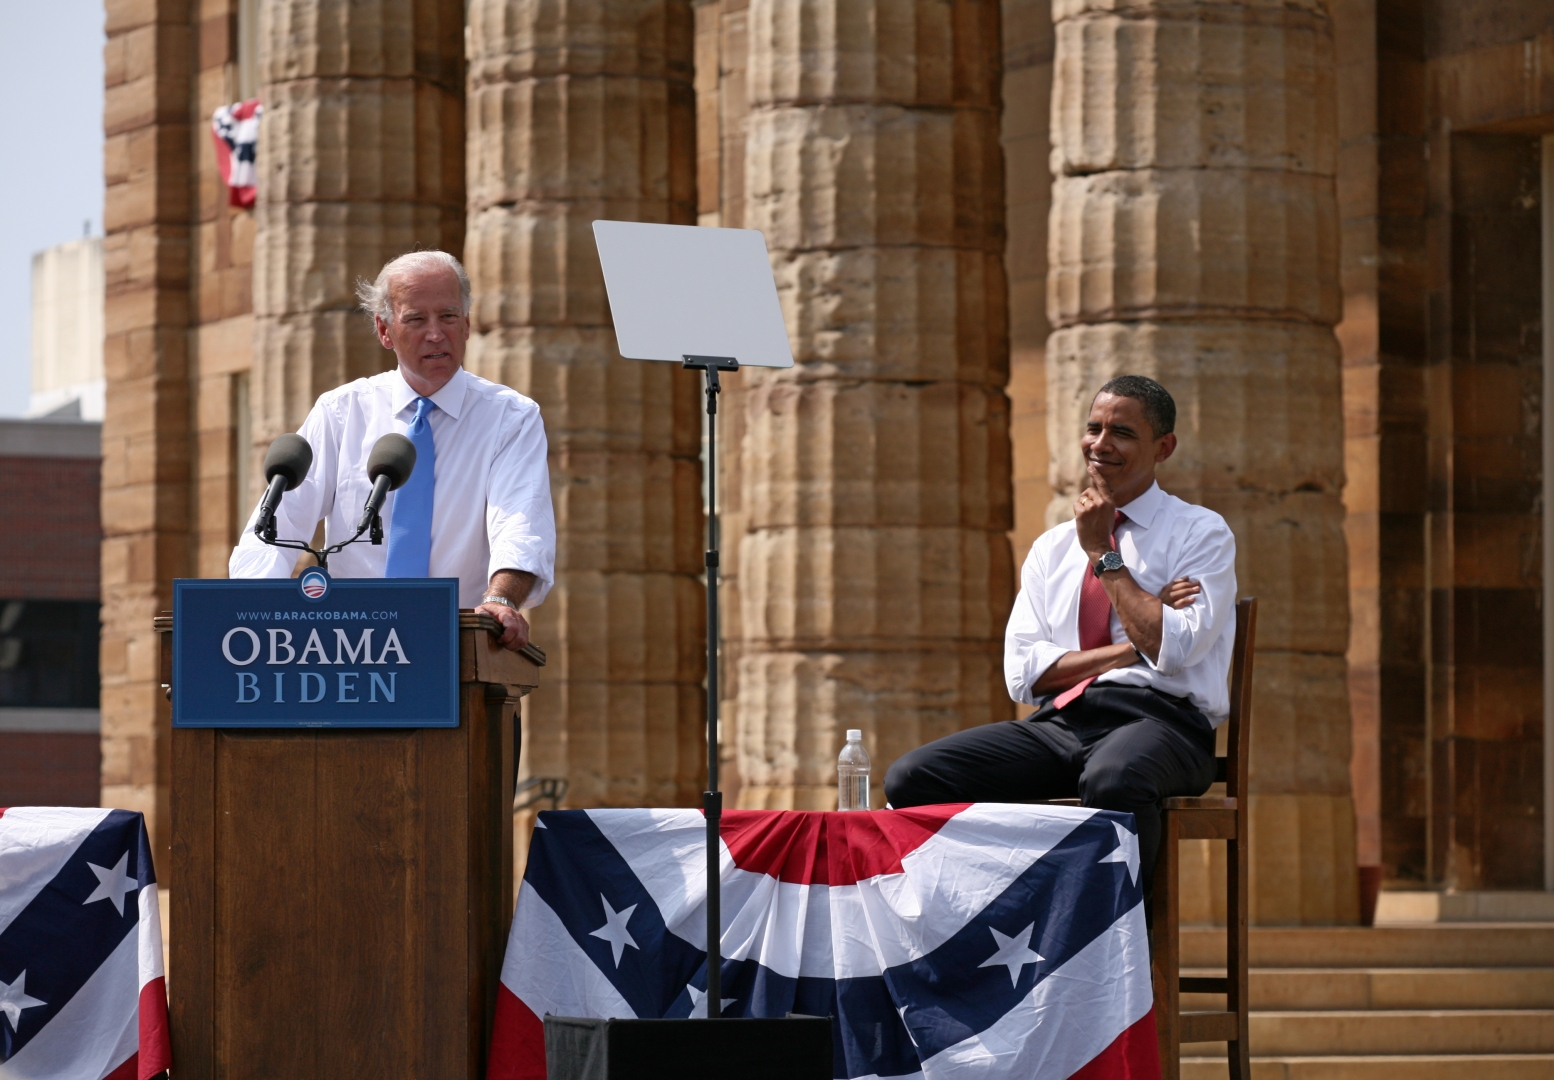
x=791, y=1048
x=706, y=297
x=712, y=798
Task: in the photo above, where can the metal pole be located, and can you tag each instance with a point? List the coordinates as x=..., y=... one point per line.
x=712, y=798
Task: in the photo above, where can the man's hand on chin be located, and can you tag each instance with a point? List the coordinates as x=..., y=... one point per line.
x=515, y=628
x=1095, y=512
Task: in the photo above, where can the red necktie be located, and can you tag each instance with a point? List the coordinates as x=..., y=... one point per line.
x=1095, y=618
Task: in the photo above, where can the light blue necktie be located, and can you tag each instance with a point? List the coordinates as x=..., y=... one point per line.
x=410, y=529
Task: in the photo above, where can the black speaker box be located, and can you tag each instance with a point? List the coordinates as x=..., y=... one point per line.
x=793, y=1048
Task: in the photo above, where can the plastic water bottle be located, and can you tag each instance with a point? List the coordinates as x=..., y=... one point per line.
x=852, y=774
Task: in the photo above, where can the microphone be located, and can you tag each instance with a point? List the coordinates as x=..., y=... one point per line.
x=287, y=463
x=389, y=465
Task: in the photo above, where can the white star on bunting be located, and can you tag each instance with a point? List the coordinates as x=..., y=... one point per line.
x=112, y=884
x=699, y=1001
x=614, y=929
x=1013, y=952
x=1126, y=851
x=13, y=999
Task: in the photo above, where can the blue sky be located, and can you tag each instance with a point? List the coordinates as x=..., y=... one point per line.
x=51, y=103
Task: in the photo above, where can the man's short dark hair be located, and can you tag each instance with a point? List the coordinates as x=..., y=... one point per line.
x=1159, y=407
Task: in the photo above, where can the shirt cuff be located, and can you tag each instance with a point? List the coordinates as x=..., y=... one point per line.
x=1173, y=631
x=527, y=557
x=260, y=561
x=1042, y=655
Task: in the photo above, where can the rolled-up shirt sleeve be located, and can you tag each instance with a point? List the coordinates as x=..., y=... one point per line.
x=300, y=510
x=520, y=523
x=1028, y=646
x=1208, y=556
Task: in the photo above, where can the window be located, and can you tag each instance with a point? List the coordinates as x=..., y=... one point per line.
x=48, y=654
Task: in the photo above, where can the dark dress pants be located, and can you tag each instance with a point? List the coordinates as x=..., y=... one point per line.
x=1114, y=748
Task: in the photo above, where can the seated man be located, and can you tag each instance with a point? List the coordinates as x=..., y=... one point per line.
x=1121, y=637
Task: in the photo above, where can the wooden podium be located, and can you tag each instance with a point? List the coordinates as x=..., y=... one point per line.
x=341, y=898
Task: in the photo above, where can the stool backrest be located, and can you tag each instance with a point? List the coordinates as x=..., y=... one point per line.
x=1233, y=766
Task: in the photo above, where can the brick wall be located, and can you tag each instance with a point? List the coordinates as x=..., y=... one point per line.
x=51, y=531
x=49, y=768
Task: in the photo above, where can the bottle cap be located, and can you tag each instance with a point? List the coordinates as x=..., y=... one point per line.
x=854, y=734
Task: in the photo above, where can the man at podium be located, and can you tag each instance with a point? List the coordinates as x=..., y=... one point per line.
x=477, y=504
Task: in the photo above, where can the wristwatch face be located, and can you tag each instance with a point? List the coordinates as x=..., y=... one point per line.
x=1110, y=561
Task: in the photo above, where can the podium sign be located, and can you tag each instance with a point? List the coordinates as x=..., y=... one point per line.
x=316, y=652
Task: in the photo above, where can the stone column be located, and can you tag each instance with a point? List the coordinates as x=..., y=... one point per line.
x=145, y=438
x=361, y=158
x=580, y=111
x=875, y=567
x=1194, y=238
x=722, y=100
x=1027, y=98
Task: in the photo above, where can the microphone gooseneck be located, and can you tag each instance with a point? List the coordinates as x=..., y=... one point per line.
x=287, y=464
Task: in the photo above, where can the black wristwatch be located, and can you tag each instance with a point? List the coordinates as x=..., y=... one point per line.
x=1110, y=561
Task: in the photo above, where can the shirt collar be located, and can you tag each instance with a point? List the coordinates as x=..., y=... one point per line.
x=1141, y=511
x=450, y=399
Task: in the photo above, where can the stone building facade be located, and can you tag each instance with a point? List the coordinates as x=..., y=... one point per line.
x=977, y=211
x=1445, y=172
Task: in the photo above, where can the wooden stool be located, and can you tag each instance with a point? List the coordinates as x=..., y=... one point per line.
x=1209, y=818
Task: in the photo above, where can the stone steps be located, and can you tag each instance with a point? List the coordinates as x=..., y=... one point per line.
x=1294, y=989
x=1467, y=907
x=1429, y=945
x=1398, y=1031
x=1383, y=1067
x=1411, y=1002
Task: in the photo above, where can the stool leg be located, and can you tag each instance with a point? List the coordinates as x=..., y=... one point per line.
x=1166, y=951
x=1236, y=959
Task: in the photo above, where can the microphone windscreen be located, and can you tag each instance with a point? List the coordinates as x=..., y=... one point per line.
x=290, y=456
x=392, y=456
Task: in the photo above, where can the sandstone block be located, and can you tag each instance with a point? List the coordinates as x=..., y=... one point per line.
x=302, y=39
x=565, y=145
x=360, y=139
x=878, y=453
x=1218, y=85
x=909, y=53
x=845, y=175
x=513, y=41
x=1302, y=872
x=836, y=588
x=542, y=266
x=1300, y=723
x=1206, y=243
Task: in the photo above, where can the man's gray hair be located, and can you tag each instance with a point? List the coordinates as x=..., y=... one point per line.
x=374, y=295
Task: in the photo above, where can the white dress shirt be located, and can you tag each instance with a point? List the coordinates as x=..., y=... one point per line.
x=1162, y=539
x=491, y=508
